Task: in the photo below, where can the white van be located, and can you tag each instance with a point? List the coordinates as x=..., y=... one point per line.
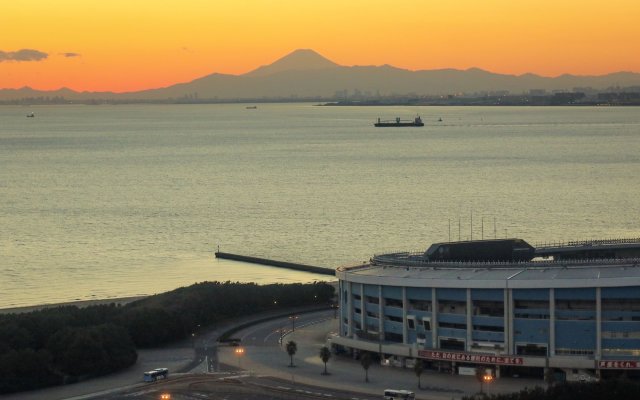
x=581, y=375
x=391, y=394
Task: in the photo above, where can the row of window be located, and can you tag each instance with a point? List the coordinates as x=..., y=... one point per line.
x=620, y=335
x=570, y=310
x=574, y=352
x=494, y=307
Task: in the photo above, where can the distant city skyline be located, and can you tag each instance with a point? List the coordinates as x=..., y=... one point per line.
x=128, y=46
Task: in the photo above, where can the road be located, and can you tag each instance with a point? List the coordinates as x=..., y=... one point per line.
x=262, y=371
x=264, y=355
x=238, y=385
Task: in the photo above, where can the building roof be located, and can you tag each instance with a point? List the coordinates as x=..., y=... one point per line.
x=545, y=274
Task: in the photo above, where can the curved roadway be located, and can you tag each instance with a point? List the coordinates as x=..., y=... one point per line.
x=264, y=355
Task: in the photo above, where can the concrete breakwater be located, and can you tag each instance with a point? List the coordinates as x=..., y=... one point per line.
x=276, y=263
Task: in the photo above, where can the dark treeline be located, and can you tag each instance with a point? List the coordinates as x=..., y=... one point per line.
x=615, y=389
x=64, y=344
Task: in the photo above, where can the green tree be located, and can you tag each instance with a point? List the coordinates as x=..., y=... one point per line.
x=325, y=355
x=366, y=360
x=292, y=348
x=418, y=368
x=95, y=350
x=26, y=369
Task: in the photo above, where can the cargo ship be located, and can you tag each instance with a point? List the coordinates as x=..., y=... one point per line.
x=417, y=121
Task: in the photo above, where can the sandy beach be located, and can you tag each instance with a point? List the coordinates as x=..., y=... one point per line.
x=80, y=303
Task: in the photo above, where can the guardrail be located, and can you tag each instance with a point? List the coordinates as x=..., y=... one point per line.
x=403, y=259
x=580, y=243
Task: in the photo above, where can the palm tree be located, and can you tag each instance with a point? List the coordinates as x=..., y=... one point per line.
x=292, y=347
x=325, y=355
x=418, y=367
x=365, y=361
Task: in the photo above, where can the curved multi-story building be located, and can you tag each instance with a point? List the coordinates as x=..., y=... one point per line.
x=486, y=303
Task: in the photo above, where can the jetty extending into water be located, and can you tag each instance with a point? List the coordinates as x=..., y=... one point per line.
x=276, y=263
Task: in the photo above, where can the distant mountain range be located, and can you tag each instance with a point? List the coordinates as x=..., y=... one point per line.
x=306, y=74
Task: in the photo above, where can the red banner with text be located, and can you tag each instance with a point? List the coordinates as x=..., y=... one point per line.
x=470, y=357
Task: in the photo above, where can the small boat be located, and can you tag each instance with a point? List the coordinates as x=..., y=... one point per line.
x=417, y=121
x=251, y=107
x=31, y=115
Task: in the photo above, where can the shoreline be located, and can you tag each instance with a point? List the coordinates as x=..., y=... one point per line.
x=79, y=303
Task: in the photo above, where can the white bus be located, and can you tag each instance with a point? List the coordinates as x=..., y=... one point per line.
x=154, y=375
x=391, y=394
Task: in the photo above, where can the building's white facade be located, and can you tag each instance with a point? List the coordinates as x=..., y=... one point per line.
x=567, y=316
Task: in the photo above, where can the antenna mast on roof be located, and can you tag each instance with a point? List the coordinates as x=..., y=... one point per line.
x=495, y=236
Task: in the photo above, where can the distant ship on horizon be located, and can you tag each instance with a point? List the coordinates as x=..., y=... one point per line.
x=417, y=121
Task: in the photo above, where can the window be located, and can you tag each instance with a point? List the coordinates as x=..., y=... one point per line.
x=451, y=325
x=422, y=305
x=393, y=337
x=426, y=323
x=411, y=322
x=452, y=344
x=373, y=300
x=530, y=349
x=488, y=308
x=574, y=352
x=621, y=304
x=531, y=309
x=452, y=307
x=393, y=302
x=617, y=334
x=488, y=328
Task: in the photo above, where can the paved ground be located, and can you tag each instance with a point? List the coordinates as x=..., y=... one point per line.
x=264, y=356
x=176, y=357
x=264, y=371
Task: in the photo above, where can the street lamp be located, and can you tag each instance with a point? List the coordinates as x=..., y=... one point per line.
x=486, y=379
x=293, y=322
x=239, y=353
x=335, y=310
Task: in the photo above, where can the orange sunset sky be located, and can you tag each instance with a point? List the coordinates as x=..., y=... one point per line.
x=126, y=45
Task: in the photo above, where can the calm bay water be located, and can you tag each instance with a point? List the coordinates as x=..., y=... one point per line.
x=110, y=201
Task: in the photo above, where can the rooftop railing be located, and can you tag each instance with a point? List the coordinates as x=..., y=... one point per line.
x=583, y=243
x=409, y=259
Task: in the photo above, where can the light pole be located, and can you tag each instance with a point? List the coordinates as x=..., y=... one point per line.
x=293, y=322
x=239, y=353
